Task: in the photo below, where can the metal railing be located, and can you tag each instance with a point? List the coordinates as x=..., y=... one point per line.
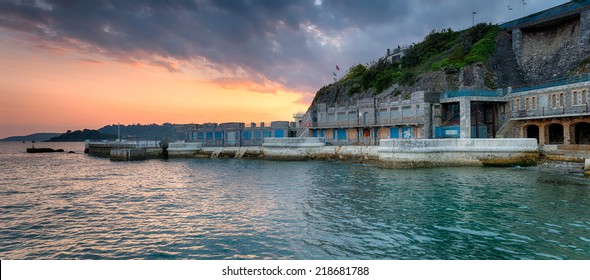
x=470, y=92
x=558, y=82
x=568, y=7
x=371, y=122
x=551, y=112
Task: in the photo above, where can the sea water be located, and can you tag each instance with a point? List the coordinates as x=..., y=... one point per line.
x=74, y=206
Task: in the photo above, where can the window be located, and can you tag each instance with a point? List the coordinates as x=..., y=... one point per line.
x=513, y=105
x=394, y=113
x=584, y=97
x=575, y=98
x=330, y=118
x=527, y=103
x=534, y=103
x=341, y=116
x=561, y=103
x=517, y=104
x=383, y=114
x=352, y=115
x=553, y=100
x=407, y=111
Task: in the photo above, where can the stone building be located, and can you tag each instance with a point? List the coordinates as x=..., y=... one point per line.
x=369, y=120
x=544, y=45
x=236, y=134
x=553, y=113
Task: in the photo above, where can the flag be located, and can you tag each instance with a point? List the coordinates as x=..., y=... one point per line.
x=334, y=73
x=524, y=3
x=474, y=13
x=337, y=68
x=509, y=8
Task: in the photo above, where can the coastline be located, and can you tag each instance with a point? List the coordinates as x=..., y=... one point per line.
x=399, y=154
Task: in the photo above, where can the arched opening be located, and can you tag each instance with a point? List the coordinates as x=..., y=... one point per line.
x=582, y=131
x=366, y=118
x=555, y=133
x=532, y=131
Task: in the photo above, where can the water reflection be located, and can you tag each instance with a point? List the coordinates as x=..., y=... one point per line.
x=68, y=206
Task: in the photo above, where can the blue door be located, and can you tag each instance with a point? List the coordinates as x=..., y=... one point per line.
x=341, y=134
x=279, y=133
x=394, y=133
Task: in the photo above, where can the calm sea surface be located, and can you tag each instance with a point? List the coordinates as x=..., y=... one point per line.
x=73, y=206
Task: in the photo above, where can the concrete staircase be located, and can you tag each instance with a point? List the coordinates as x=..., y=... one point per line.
x=507, y=130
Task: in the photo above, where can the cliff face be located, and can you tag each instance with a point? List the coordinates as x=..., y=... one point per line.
x=551, y=52
x=472, y=76
x=545, y=53
x=504, y=65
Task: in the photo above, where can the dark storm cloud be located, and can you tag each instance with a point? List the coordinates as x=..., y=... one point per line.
x=295, y=43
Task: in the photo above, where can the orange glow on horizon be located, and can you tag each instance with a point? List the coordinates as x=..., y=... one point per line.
x=43, y=91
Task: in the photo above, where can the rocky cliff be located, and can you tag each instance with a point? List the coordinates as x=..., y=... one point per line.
x=547, y=53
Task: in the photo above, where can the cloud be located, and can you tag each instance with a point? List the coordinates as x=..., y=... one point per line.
x=293, y=43
x=266, y=86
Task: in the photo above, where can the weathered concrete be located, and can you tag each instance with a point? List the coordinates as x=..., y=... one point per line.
x=457, y=152
x=291, y=148
x=184, y=149
x=465, y=117
x=128, y=154
x=395, y=153
x=230, y=152
x=100, y=149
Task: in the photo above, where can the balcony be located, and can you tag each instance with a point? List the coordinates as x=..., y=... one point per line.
x=371, y=122
x=544, y=112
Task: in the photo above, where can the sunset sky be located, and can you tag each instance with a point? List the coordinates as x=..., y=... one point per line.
x=85, y=64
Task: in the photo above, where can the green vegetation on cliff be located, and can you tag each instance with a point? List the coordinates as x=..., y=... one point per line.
x=444, y=50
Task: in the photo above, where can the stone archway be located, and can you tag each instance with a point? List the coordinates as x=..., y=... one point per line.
x=582, y=133
x=555, y=133
x=532, y=131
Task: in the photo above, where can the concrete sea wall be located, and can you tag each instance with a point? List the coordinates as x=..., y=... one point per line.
x=457, y=152
x=392, y=153
x=304, y=148
x=128, y=154
x=100, y=149
x=184, y=149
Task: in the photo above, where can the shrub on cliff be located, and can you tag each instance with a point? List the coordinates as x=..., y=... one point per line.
x=445, y=50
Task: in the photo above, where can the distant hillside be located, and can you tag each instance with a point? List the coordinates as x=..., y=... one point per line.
x=37, y=137
x=82, y=135
x=131, y=132
x=147, y=132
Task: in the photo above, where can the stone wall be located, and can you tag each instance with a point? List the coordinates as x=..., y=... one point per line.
x=549, y=52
